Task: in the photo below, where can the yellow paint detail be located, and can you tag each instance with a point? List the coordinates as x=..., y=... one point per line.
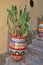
x=19, y=46
x=16, y=53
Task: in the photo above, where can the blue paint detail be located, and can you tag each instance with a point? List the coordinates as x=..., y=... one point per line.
x=15, y=41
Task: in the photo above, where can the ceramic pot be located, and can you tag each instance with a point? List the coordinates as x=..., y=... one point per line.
x=17, y=47
x=41, y=34
x=40, y=29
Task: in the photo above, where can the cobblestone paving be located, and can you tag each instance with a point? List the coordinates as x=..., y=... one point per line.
x=29, y=60
x=3, y=58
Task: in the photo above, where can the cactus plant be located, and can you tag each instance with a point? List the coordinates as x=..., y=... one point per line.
x=18, y=26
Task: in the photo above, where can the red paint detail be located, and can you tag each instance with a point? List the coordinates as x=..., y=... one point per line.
x=12, y=45
x=16, y=55
x=23, y=37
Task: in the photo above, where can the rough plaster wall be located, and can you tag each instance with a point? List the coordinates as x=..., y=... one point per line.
x=3, y=27
x=4, y=4
x=35, y=12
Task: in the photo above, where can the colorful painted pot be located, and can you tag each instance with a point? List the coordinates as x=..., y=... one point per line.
x=41, y=34
x=41, y=22
x=40, y=28
x=17, y=47
x=41, y=25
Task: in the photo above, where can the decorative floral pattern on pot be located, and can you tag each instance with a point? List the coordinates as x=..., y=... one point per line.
x=17, y=47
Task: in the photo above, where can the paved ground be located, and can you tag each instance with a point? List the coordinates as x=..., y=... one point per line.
x=3, y=58
x=29, y=60
x=34, y=56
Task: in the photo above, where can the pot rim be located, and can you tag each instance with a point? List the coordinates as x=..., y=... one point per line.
x=22, y=37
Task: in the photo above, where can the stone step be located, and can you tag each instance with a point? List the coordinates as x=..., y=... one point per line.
x=39, y=38
x=36, y=47
x=37, y=42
